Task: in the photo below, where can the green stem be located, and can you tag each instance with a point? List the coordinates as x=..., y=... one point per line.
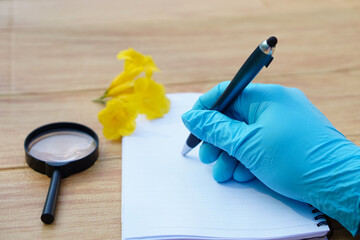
x=101, y=99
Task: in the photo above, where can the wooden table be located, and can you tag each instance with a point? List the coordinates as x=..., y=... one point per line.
x=56, y=56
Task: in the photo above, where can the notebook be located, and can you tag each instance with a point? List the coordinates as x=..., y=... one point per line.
x=168, y=196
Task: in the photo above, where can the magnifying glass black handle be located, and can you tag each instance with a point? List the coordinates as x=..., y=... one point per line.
x=48, y=214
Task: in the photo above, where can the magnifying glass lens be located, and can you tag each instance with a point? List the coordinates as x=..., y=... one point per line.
x=62, y=146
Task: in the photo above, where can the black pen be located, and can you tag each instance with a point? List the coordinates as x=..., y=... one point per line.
x=262, y=56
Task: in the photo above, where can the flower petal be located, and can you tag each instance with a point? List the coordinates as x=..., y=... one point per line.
x=118, y=117
x=135, y=62
x=129, y=53
x=123, y=77
x=150, y=97
x=123, y=88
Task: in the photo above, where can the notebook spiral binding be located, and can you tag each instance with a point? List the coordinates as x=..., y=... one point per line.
x=320, y=217
x=322, y=220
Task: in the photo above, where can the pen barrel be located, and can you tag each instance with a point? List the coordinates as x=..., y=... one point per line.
x=192, y=141
x=252, y=66
x=261, y=56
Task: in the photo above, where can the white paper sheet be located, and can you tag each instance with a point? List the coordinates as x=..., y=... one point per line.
x=168, y=196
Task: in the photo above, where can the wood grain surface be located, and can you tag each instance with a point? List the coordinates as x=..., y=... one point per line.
x=56, y=56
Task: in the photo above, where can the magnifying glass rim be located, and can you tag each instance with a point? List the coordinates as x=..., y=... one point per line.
x=66, y=168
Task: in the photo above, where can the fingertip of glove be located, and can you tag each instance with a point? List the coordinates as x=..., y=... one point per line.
x=185, y=117
x=208, y=153
x=191, y=116
x=242, y=174
x=220, y=177
x=224, y=167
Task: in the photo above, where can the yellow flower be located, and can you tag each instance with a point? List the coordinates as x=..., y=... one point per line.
x=130, y=94
x=135, y=62
x=124, y=88
x=123, y=77
x=118, y=118
x=150, y=98
x=123, y=84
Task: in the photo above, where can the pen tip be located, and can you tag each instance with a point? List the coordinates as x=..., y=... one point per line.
x=272, y=41
x=185, y=150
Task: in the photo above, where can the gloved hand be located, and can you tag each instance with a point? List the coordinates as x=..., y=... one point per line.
x=286, y=142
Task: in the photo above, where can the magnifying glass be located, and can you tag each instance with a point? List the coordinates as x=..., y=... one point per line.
x=60, y=150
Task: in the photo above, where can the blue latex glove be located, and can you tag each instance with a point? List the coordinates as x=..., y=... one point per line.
x=286, y=142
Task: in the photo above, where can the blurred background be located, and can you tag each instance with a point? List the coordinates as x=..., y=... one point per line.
x=56, y=56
